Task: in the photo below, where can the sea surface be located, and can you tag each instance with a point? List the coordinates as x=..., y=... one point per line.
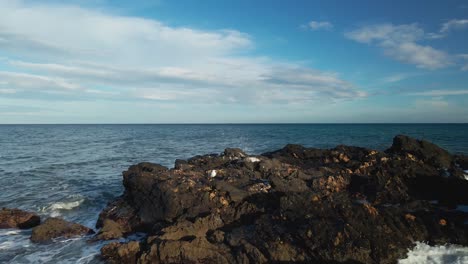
x=72, y=171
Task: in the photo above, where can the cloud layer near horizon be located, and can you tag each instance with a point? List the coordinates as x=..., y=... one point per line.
x=68, y=50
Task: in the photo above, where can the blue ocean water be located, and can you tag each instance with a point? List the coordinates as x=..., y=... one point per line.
x=72, y=171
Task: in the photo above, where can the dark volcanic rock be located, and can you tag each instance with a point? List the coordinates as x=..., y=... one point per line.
x=15, y=218
x=421, y=149
x=462, y=161
x=58, y=228
x=297, y=204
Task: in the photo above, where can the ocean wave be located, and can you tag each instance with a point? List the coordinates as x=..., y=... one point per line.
x=55, y=209
x=423, y=253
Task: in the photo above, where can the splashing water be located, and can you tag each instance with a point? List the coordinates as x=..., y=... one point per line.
x=423, y=253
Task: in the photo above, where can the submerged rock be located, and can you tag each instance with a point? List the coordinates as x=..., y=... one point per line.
x=15, y=218
x=297, y=204
x=58, y=228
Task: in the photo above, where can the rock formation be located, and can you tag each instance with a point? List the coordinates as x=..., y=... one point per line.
x=57, y=228
x=341, y=205
x=15, y=218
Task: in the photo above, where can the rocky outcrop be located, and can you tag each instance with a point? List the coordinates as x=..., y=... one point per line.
x=297, y=204
x=15, y=218
x=58, y=228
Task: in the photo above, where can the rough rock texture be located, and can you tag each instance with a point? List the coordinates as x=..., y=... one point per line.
x=58, y=228
x=15, y=218
x=297, y=204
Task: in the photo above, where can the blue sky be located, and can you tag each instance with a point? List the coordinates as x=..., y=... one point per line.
x=233, y=61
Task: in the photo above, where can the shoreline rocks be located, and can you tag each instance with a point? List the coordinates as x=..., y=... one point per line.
x=296, y=204
x=15, y=218
x=53, y=228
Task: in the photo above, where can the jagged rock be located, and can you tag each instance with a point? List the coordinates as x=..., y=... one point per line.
x=15, y=218
x=58, y=228
x=297, y=204
x=421, y=149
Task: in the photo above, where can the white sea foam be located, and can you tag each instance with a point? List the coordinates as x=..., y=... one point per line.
x=466, y=174
x=11, y=233
x=422, y=253
x=6, y=245
x=65, y=206
x=55, y=209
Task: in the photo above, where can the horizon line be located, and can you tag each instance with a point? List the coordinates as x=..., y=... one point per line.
x=251, y=123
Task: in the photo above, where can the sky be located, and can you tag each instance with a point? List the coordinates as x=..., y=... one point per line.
x=233, y=61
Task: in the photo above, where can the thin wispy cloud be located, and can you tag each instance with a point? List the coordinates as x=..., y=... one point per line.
x=319, y=25
x=397, y=77
x=454, y=24
x=447, y=27
x=400, y=42
x=441, y=92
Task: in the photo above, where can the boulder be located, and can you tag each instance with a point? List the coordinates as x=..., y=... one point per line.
x=421, y=149
x=15, y=218
x=58, y=228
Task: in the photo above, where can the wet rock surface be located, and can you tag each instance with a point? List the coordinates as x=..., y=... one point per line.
x=58, y=228
x=15, y=218
x=341, y=205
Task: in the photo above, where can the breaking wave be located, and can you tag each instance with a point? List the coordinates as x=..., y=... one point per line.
x=423, y=253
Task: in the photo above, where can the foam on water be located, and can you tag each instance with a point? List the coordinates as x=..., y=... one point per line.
x=54, y=209
x=423, y=253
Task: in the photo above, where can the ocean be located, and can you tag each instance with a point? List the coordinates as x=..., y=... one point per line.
x=72, y=171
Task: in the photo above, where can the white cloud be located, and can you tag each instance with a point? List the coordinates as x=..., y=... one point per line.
x=319, y=25
x=453, y=25
x=424, y=57
x=23, y=81
x=447, y=27
x=400, y=42
x=70, y=31
x=73, y=49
